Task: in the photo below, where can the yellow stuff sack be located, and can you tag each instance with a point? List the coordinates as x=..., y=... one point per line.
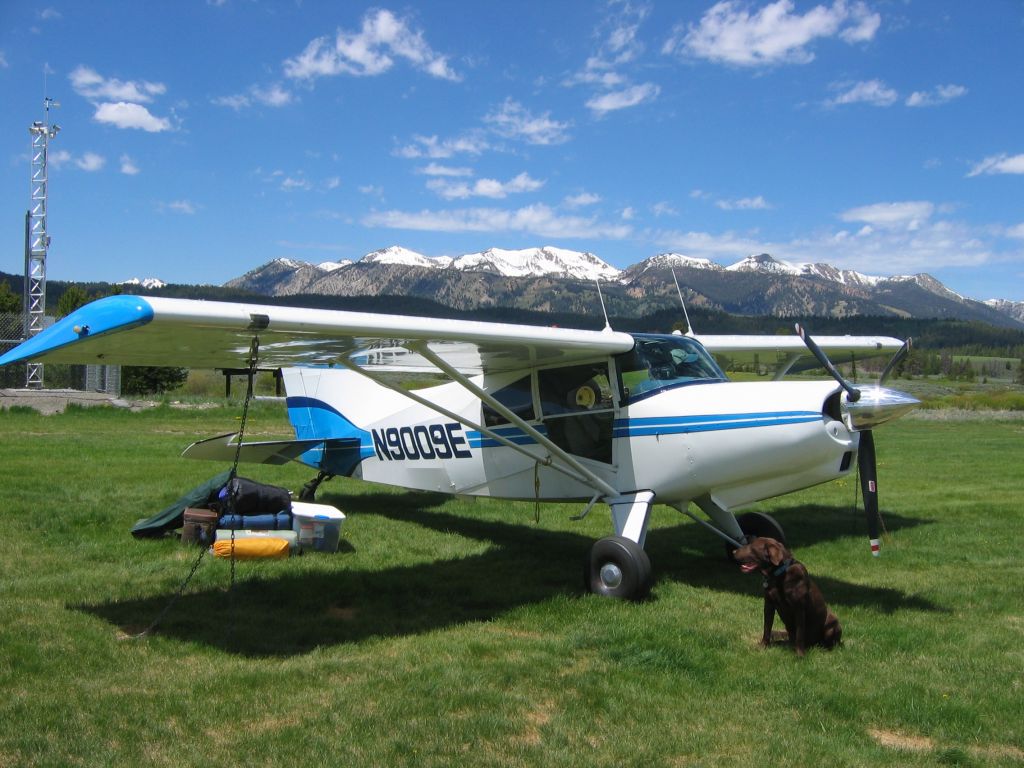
x=253, y=549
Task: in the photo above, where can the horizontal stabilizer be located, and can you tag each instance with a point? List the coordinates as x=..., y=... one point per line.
x=224, y=447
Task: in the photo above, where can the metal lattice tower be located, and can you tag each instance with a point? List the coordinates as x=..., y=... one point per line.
x=38, y=238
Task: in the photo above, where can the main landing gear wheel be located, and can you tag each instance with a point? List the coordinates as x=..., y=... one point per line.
x=618, y=567
x=757, y=525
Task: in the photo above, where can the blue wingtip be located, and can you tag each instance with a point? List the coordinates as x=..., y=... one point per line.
x=113, y=313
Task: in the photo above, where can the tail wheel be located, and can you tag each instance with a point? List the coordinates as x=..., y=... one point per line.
x=618, y=567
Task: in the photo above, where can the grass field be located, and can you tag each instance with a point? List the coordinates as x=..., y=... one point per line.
x=451, y=632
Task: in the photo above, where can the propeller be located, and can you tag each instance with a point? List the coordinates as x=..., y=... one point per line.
x=866, y=462
x=869, y=487
x=891, y=365
x=852, y=392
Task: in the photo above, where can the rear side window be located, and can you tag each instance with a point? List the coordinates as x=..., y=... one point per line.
x=517, y=397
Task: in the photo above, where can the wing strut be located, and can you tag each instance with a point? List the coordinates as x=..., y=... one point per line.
x=592, y=479
x=587, y=478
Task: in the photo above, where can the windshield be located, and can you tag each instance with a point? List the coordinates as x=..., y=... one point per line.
x=657, y=362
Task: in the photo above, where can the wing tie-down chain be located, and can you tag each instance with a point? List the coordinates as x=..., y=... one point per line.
x=253, y=357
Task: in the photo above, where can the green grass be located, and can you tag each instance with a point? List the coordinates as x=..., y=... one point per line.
x=451, y=632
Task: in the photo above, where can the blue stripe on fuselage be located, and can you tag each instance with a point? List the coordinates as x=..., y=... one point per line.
x=671, y=425
x=315, y=419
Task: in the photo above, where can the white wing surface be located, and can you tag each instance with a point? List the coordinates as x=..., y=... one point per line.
x=131, y=330
x=789, y=353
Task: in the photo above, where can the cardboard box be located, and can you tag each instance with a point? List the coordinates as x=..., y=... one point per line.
x=198, y=526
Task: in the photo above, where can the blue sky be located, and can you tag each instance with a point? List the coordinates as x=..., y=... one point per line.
x=202, y=139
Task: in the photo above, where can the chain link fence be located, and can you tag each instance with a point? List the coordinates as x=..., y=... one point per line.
x=103, y=378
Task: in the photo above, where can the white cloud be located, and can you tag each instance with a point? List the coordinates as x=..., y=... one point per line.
x=90, y=161
x=1017, y=231
x=908, y=215
x=237, y=102
x=89, y=83
x=940, y=94
x=128, y=166
x=619, y=45
x=627, y=97
x=332, y=183
x=513, y=121
x=619, y=49
x=269, y=96
x=492, y=188
x=534, y=219
x=436, y=169
x=581, y=200
x=729, y=33
x=873, y=92
x=290, y=183
x=1001, y=163
x=628, y=213
x=186, y=207
x=871, y=250
x=665, y=208
x=125, y=115
x=370, y=51
x=434, y=148
x=744, y=204
x=48, y=14
x=57, y=158
x=3, y=61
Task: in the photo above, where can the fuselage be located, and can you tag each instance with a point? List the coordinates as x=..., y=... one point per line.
x=662, y=418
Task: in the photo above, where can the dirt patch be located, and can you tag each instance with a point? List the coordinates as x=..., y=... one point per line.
x=51, y=401
x=903, y=741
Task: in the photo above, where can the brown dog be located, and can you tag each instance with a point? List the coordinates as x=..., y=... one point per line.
x=789, y=590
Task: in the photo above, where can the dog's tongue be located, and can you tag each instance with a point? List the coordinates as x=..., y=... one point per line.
x=748, y=567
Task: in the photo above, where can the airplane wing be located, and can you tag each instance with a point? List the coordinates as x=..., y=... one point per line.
x=132, y=330
x=786, y=354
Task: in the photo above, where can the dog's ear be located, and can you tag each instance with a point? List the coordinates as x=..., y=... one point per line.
x=776, y=552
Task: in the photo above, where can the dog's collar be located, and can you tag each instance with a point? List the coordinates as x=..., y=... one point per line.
x=780, y=571
x=782, y=568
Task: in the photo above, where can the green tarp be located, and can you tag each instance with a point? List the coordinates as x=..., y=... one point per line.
x=170, y=518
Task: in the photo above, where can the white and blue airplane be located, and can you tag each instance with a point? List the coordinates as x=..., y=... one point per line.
x=535, y=413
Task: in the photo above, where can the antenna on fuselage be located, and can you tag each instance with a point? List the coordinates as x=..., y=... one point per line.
x=607, y=325
x=686, y=315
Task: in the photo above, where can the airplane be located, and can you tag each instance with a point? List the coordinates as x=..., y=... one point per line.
x=527, y=412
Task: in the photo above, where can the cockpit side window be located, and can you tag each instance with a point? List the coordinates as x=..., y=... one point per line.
x=657, y=362
x=574, y=389
x=578, y=404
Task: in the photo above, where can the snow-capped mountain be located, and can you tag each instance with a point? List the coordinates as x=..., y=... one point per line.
x=149, y=283
x=668, y=261
x=764, y=263
x=396, y=254
x=756, y=285
x=330, y=266
x=536, y=262
x=1014, y=309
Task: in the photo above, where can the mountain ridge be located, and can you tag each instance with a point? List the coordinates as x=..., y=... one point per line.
x=548, y=278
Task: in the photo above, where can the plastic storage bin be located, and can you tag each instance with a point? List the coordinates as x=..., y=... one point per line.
x=317, y=525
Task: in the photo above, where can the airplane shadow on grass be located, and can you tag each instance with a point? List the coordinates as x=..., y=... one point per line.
x=294, y=613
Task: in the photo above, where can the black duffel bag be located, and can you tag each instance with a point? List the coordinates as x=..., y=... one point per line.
x=252, y=498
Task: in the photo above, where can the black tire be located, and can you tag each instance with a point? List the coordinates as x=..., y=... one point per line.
x=756, y=525
x=618, y=567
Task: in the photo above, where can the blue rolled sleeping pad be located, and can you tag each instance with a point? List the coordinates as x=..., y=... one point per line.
x=282, y=521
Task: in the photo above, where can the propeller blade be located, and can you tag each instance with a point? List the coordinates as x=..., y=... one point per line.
x=869, y=486
x=891, y=365
x=852, y=392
